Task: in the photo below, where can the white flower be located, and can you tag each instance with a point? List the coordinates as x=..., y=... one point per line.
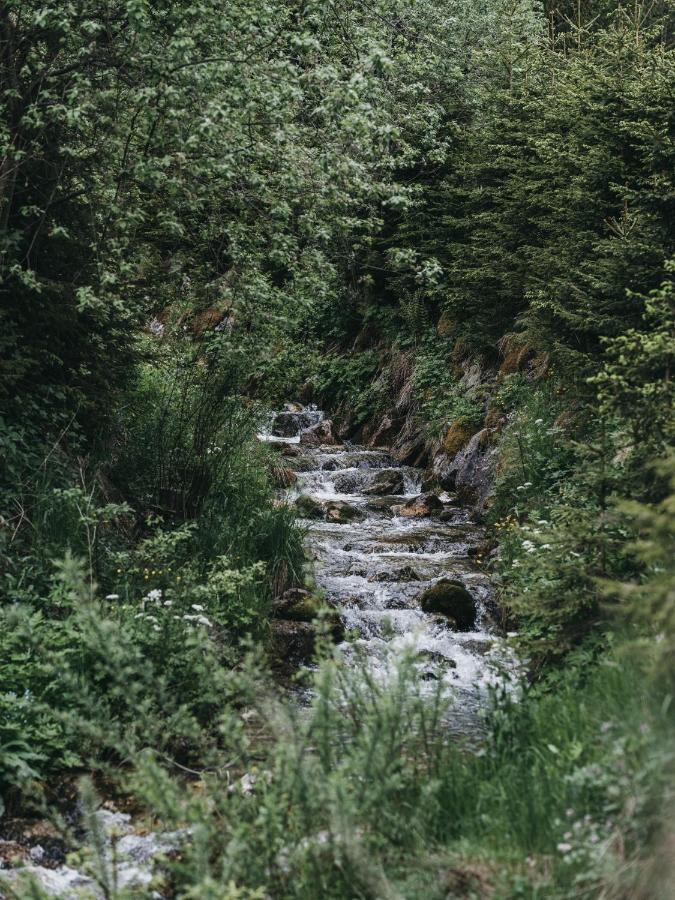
x=197, y=606
x=529, y=547
x=112, y=597
x=538, y=421
x=155, y=595
x=168, y=603
x=151, y=618
x=156, y=628
x=564, y=847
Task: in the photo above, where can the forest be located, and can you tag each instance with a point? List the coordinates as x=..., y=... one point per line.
x=337, y=449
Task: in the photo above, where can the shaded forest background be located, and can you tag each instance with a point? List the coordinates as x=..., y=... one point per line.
x=208, y=209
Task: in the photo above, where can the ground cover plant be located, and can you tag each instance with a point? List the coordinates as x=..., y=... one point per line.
x=449, y=224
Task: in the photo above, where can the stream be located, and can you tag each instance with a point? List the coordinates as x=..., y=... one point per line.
x=377, y=543
x=373, y=560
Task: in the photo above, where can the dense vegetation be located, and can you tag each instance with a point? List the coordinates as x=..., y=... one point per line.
x=454, y=216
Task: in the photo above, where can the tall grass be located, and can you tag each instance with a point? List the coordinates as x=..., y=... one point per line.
x=367, y=794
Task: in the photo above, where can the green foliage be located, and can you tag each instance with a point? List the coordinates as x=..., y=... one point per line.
x=441, y=397
x=364, y=793
x=351, y=384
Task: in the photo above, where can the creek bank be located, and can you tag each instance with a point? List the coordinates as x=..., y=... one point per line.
x=132, y=859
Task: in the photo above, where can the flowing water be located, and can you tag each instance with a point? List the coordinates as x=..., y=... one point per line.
x=374, y=568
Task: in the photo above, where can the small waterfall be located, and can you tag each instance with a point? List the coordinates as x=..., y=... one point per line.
x=374, y=567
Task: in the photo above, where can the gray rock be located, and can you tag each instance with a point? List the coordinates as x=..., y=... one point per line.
x=319, y=435
x=470, y=472
x=342, y=512
x=418, y=507
x=386, y=481
x=290, y=424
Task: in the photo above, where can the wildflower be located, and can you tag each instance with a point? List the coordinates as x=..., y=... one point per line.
x=168, y=603
x=564, y=847
x=112, y=597
x=538, y=421
x=197, y=606
x=154, y=595
x=156, y=628
x=605, y=727
x=529, y=547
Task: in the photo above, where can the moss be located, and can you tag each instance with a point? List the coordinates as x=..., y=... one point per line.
x=458, y=436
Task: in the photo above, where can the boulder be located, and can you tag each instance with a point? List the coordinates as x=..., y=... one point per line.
x=342, y=512
x=383, y=505
x=386, y=481
x=300, y=606
x=290, y=424
x=470, y=472
x=309, y=508
x=434, y=656
x=349, y=482
x=406, y=573
x=418, y=507
x=319, y=435
x=297, y=605
x=451, y=599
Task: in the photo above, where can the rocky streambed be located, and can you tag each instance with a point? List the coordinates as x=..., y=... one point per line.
x=399, y=566
x=400, y=571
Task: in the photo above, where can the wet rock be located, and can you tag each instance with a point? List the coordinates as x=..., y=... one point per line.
x=435, y=656
x=342, y=512
x=386, y=481
x=450, y=514
x=406, y=573
x=292, y=642
x=478, y=647
x=309, y=508
x=349, y=482
x=383, y=505
x=290, y=424
x=451, y=599
x=418, y=507
x=319, y=435
x=470, y=472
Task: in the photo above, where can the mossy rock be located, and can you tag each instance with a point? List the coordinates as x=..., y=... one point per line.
x=300, y=605
x=386, y=481
x=343, y=512
x=457, y=438
x=451, y=599
x=309, y=508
